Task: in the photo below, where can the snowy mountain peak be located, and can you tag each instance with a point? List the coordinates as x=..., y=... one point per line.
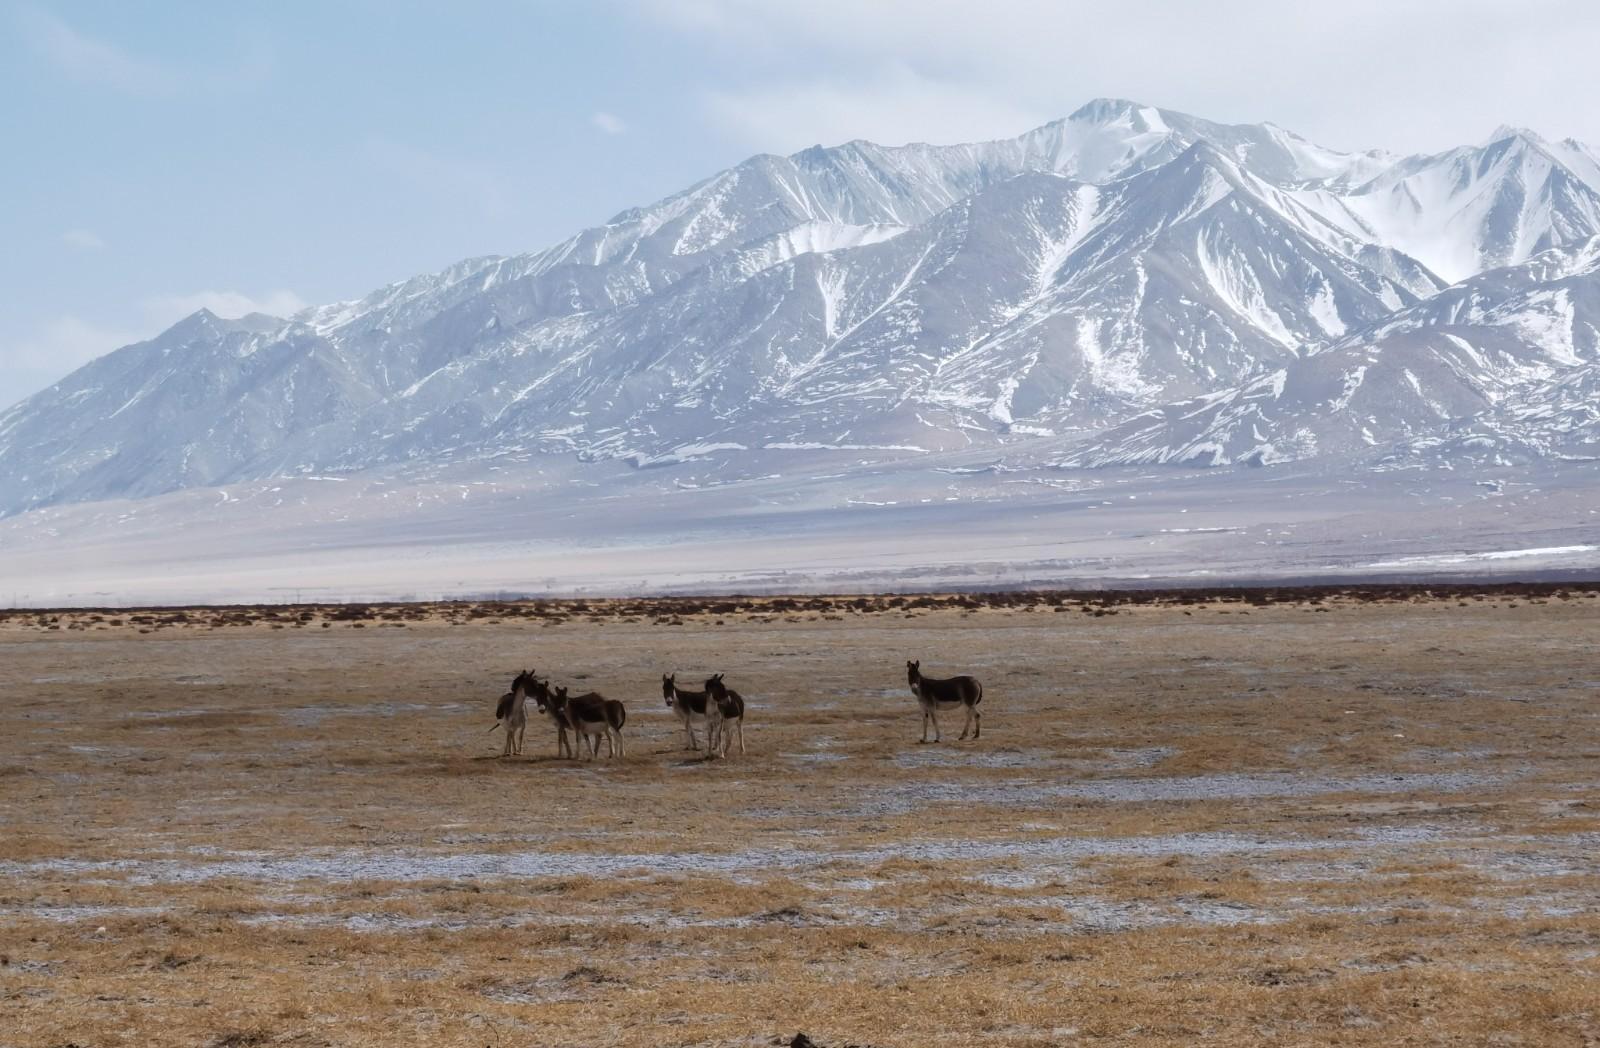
x=203, y=323
x=1133, y=283
x=1510, y=132
x=1115, y=112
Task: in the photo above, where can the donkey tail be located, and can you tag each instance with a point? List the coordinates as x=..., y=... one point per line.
x=617, y=714
x=980, y=693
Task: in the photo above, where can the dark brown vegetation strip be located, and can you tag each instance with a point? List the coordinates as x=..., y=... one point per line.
x=670, y=610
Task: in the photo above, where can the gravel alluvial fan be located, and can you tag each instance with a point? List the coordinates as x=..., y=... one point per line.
x=1133, y=284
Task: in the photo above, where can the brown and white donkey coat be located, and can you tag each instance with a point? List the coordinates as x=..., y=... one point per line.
x=935, y=695
x=511, y=713
x=725, y=717
x=526, y=683
x=592, y=716
x=686, y=705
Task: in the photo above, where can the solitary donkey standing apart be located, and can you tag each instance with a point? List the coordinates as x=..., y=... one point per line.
x=687, y=705
x=591, y=716
x=725, y=710
x=935, y=695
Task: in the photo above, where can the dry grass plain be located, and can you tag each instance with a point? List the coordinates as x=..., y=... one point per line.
x=1353, y=817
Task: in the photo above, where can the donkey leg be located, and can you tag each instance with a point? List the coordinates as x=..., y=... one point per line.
x=977, y=723
x=924, y=725
x=741, y=736
x=933, y=714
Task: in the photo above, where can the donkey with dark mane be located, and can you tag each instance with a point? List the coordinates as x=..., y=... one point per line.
x=525, y=684
x=726, y=708
x=934, y=695
x=687, y=705
x=511, y=713
x=591, y=716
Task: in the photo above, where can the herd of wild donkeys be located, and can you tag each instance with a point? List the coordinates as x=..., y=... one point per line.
x=591, y=716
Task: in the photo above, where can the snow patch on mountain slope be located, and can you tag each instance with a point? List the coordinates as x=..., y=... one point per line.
x=1190, y=290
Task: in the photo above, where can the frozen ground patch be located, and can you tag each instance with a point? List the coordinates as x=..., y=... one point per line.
x=899, y=800
x=391, y=865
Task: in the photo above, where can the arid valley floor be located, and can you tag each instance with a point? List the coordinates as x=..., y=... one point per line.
x=1354, y=817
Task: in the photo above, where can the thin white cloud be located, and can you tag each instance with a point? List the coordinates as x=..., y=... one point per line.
x=83, y=240
x=165, y=310
x=69, y=341
x=610, y=123
x=91, y=60
x=66, y=343
x=892, y=107
x=1361, y=74
x=55, y=350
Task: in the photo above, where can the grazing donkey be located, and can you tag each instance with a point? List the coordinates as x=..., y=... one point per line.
x=527, y=682
x=726, y=708
x=687, y=705
x=511, y=713
x=934, y=695
x=592, y=716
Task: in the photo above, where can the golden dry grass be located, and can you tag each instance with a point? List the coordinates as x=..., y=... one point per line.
x=1359, y=818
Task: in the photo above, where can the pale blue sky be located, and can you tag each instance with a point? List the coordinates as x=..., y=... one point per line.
x=264, y=155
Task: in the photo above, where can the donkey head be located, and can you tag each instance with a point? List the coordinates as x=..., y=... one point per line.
x=715, y=688
x=914, y=672
x=667, y=680
x=523, y=680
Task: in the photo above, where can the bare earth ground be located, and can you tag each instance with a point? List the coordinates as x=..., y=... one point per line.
x=1355, y=818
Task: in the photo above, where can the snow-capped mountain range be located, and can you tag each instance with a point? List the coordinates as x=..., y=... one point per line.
x=1126, y=285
